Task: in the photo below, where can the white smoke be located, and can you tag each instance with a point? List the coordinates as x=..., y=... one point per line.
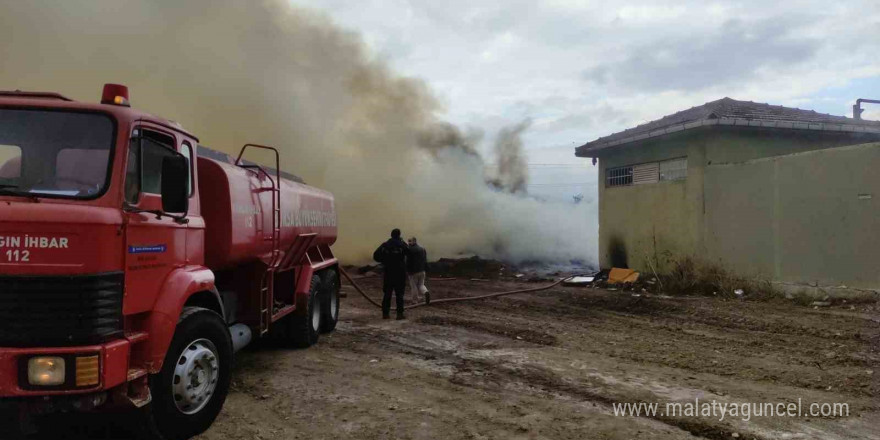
x=238, y=71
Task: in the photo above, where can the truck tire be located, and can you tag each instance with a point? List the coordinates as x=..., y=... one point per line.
x=329, y=300
x=305, y=326
x=191, y=388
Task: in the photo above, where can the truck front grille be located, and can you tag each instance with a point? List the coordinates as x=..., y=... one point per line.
x=60, y=310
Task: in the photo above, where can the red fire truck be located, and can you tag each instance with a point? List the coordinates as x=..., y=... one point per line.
x=135, y=262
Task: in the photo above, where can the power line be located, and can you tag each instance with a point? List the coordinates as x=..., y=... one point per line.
x=556, y=165
x=551, y=165
x=560, y=184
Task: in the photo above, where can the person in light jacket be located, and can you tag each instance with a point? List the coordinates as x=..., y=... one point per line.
x=416, y=269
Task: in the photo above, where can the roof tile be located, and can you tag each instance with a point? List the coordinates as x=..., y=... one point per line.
x=731, y=112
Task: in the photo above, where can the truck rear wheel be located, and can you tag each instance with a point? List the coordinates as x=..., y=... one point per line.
x=191, y=388
x=305, y=326
x=329, y=300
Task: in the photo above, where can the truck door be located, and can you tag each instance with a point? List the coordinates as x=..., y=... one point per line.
x=155, y=245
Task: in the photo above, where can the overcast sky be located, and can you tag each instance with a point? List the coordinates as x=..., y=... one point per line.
x=584, y=69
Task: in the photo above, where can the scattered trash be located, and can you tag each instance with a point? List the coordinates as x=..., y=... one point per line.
x=739, y=292
x=820, y=303
x=579, y=281
x=373, y=361
x=602, y=275
x=618, y=275
x=735, y=435
x=520, y=275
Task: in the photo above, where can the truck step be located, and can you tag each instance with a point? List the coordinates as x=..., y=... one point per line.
x=283, y=311
x=136, y=373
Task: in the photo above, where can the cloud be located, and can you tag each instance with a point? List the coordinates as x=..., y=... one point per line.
x=737, y=52
x=496, y=64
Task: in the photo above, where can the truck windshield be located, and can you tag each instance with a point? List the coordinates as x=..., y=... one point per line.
x=54, y=153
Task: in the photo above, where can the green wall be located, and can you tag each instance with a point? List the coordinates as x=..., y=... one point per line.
x=809, y=217
x=632, y=219
x=729, y=212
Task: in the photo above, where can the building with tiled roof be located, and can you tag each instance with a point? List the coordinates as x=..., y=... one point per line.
x=781, y=193
x=730, y=112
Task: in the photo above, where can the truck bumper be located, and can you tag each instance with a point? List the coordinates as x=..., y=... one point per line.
x=53, y=404
x=113, y=366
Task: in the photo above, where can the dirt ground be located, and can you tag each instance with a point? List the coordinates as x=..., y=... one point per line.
x=551, y=365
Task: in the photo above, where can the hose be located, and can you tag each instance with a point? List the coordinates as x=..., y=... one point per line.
x=358, y=288
x=452, y=300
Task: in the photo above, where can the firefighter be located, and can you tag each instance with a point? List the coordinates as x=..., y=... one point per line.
x=416, y=268
x=392, y=255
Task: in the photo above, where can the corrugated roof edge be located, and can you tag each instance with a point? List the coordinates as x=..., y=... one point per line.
x=584, y=150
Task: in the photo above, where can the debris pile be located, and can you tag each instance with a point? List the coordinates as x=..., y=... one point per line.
x=626, y=280
x=473, y=267
x=477, y=268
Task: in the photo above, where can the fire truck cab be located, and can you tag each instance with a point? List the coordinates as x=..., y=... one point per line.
x=126, y=281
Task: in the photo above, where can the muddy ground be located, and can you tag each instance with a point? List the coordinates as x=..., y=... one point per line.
x=552, y=365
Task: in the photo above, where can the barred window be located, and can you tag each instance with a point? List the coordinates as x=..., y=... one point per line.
x=674, y=169
x=620, y=176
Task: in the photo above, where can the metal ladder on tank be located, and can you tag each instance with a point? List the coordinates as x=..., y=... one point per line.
x=267, y=282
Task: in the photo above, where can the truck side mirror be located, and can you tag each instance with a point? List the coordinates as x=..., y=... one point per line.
x=175, y=192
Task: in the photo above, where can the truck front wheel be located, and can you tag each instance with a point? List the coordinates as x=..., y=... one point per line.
x=191, y=388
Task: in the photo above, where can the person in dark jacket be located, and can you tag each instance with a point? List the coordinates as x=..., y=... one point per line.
x=416, y=269
x=392, y=255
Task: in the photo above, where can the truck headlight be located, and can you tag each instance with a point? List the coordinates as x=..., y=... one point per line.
x=46, y=371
